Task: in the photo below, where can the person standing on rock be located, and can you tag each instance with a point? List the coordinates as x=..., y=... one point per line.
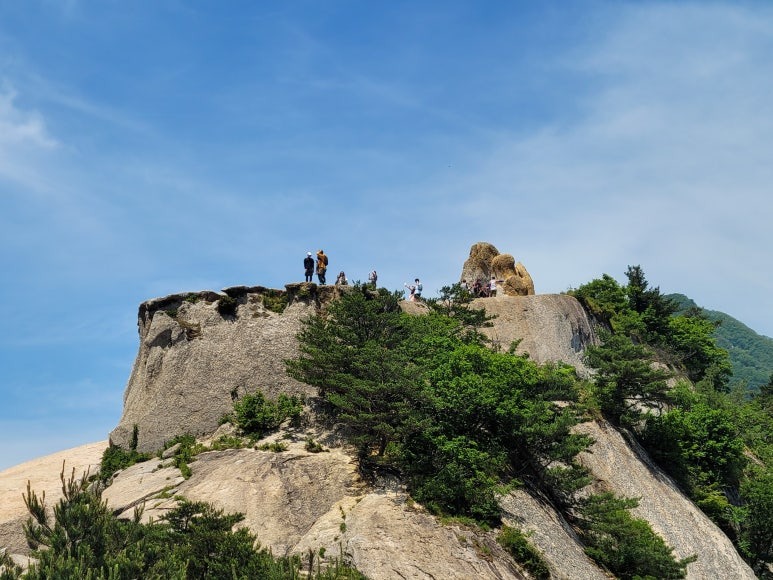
x=308, y=266
x=492, y=287
x=373, y=278
x=412, y=291
x=321, y=266
x=417, y=293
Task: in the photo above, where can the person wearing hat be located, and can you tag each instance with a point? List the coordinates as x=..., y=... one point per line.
x=308, y=266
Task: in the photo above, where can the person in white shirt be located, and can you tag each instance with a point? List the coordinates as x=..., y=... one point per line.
x=492, y=287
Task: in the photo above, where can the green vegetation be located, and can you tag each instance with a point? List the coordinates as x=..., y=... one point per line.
x=9, y=570
x=194, y=540
x=256, y=415
x=226, y=305
x=751, y=354
x=714, y=441
x=425, y=397
x=227, y=442
x=275, y=300
x=314, y=446
x=518, y=545
x=626, y=381
x=625, y=545
x=187, y=449
x=115, y=458
x=275, y=447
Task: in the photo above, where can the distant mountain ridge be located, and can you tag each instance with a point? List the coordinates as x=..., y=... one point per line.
x=751, y=354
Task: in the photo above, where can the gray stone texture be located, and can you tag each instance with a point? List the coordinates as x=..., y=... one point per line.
x=193, y=361
x=624, y=468
x=550, y=327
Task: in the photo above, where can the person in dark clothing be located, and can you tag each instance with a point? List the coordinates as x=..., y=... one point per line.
x=308, y=266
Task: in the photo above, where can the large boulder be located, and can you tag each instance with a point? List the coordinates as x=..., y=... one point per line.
x=478, y=265
x=485, y=261
x=519, y=283
x=503, y=266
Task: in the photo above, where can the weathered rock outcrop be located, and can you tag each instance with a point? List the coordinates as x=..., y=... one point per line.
x=295, y=501
x=478, y=264
x=43, y=474
x=485, y=261
x=550, y=327
x=194, y=361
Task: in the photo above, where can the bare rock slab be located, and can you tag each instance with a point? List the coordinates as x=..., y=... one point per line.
x=43, y=474
x=551, y=535
x=550, y=327
x=626, y=470
x=295, y=501
x=140, y=482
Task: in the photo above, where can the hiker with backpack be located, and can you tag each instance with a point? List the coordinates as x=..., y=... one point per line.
x=321, y=266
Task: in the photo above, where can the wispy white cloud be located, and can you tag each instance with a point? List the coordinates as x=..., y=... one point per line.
x=25, y=141
x=19, y=127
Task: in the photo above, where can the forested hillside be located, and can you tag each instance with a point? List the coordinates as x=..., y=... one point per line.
x=751, y=354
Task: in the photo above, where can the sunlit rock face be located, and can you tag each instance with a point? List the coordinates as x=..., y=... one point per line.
x=485, y=261
x=195, y=358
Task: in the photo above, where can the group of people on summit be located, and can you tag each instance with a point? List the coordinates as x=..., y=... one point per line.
x=478, y=289
x=321, y=269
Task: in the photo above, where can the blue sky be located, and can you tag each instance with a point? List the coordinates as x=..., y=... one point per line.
x=160, y=146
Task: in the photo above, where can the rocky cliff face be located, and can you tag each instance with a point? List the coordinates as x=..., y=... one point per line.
x=547, y=327
x=296, y=501
x=193, y=361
